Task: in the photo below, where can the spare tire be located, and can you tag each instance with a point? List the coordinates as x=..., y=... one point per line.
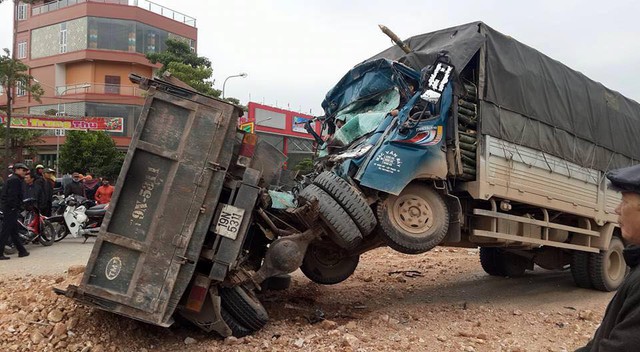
x=342, y=230
x=328, y=266
x=349, y=198
x=244, y=307
x=414, y=221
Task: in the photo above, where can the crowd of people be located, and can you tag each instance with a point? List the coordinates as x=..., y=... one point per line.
x=39, y=185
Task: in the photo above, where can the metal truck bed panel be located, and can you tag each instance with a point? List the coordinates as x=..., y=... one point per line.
x=166, y=196
x=518, y=173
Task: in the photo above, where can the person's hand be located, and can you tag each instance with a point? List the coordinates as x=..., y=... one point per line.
x=394, y=112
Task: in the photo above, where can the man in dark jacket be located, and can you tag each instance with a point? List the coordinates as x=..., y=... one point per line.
x=75, y=187
x=10, y=203
x=620, y=327
x=47, y=190
x=33, y=190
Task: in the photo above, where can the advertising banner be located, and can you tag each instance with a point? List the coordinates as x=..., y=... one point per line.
x=107, y=124
x=298, y=124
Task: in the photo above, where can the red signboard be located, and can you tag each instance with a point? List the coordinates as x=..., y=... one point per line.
x=107, y=124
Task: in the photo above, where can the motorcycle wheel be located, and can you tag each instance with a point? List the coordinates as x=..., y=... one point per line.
x=60, y=230
x=47, y=234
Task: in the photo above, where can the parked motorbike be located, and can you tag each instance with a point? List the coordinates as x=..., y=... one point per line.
x=80, y=217
x=33, y=227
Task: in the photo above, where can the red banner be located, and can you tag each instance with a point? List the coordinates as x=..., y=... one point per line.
x=108, y=124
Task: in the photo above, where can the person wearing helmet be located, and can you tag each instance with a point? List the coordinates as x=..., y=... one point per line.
x=10, y=204
x=621, y=322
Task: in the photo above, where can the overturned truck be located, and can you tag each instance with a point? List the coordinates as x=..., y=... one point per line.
x=193, y=229
x=466, y=137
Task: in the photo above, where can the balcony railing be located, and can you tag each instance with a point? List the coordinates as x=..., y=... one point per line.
x=100, y=88
x=144, y=4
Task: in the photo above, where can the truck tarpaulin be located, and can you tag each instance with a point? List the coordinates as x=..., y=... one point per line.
x=535, y=101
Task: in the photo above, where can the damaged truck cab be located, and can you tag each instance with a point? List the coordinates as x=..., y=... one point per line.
x=488, y=143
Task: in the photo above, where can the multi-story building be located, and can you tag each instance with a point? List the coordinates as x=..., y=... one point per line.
x=82, y=51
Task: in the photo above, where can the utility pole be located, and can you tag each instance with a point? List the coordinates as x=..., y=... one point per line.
x=10, y=86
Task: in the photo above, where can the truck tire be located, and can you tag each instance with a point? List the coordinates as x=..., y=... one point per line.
x=237, y=329
x=498, y=262
x=608, y=268
x=415, y=221
x=580, y=269
x=325, y=266
x=277, y=283
x=244, y=307
x=349, y=198
x=342, y=230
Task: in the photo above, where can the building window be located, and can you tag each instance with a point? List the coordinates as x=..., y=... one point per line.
x=22, y=50
x=63, y=38
x=112, y=84
x=22, y=12
x=20, y=91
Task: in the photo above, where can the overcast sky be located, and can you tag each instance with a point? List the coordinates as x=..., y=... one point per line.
x=295, y=51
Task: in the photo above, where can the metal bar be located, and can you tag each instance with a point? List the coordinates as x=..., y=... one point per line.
x=154, y=149
x=504, y=236
x=522, y=219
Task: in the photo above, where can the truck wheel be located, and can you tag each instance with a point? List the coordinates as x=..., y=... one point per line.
x=498, y=262
x=237, y=329
x=608, y=268
x=244, y=307
x=325, y=266
x=342, y=230
x=580, y=269
x=349, y=198
x=415, y=221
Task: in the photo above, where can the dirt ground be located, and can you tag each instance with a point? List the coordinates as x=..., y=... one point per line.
x=439, y=301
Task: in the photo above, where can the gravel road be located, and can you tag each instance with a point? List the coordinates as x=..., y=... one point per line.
x=438, y=301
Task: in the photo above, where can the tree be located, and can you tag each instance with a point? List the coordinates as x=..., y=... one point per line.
x=305, y=166
x=188, y=67
x=92, y=151
x=13, y=75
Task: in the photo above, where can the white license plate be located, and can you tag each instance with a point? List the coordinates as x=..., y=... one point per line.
x=229, y=221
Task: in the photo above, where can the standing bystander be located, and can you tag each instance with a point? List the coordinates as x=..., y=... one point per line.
x=10, y=203
x=104, y=192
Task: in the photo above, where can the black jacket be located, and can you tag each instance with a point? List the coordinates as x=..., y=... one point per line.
x=47, y=191
x=620, y=327
x=11, y=196
x=35, y=191
x=74, y=188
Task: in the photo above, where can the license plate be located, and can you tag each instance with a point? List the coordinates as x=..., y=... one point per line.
x=229, y=221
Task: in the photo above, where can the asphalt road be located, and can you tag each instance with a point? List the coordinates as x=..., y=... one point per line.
x=55, y=259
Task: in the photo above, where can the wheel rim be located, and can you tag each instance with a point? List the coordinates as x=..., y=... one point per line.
x=412, y=214
x=325, y=257
x=616, y=266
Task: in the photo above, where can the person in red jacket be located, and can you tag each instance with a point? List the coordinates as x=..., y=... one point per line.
x=104, y=192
